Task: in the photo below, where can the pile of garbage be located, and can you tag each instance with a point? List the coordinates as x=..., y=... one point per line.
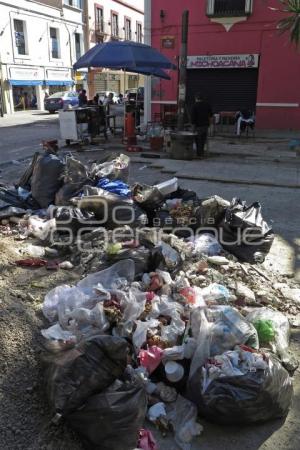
x=175, y=318
x=161, y=348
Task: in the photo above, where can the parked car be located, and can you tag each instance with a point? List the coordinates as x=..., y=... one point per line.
x=60, y=100
x=103, y=95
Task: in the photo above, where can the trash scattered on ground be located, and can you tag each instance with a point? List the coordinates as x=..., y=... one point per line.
x=169, y=319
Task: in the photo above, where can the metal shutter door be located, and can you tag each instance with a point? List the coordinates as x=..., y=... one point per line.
x=225, y=89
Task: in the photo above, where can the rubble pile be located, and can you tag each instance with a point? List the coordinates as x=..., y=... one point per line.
x=170, y=321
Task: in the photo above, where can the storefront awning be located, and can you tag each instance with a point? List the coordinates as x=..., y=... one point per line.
x=59, y=82
x=26, y=82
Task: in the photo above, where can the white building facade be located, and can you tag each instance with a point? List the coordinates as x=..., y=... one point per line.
x=39, y=43
x=113, y=20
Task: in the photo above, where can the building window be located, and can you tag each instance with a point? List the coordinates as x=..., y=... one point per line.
x=77, y=37
x=74, y=3
x=139, y=32
x=99, y=22
x=20, y=39
x=229, y=8
x=127, y=29
x=54, y=41
x=114, y=24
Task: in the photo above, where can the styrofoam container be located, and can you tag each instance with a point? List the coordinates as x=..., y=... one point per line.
x=174, y=371
x=167, y=187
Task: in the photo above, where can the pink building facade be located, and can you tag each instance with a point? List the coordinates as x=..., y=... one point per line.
x=236, y=57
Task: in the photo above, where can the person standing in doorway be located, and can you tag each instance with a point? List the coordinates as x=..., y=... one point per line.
x=201, y=118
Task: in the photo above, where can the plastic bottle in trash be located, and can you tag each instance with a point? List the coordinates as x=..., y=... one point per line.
x=259, y=257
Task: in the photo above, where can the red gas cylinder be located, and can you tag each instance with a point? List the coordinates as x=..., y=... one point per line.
x=129, y=125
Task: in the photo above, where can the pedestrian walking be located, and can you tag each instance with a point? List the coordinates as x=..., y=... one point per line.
x=201, y=118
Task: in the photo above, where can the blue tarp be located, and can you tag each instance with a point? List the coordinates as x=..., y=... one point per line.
x=26, y=82
x=129, y=56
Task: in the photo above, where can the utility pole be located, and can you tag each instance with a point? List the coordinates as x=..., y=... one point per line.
x=182, y=71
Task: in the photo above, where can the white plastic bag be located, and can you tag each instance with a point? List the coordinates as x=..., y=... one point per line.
x=140, y=335
x=115, y=277
x=62, y=300
x=201, y=331
x=35, y=251
x=206, y=244
x=41, y=228
x=215, y=293
x=82, y=317
x=183, y=415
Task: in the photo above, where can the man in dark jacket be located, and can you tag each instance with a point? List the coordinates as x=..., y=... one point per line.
x=82, y=98
x=201, y=117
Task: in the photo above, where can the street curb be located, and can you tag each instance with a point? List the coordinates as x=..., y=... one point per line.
x=214, y=179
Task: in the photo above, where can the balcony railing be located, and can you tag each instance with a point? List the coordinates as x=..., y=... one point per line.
x=102, y=28
x=229, y=8
x=105, y=30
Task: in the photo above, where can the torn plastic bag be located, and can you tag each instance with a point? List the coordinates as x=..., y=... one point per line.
x=133, y=304
x=111, y=420
x=217, y=330
x=257, y=396
x=140, y=335
x=75, y=176
x=164, y=256
x=79, y=319
x=115, y=277
x=211, y=211
x=281, y=329
x=57, y=339
x=46, y=179
x=63, y=297
x=87, y=369
x=183, y=416
x=244, y=232
x=118, y=168
x=229, y=329
x=148, y=197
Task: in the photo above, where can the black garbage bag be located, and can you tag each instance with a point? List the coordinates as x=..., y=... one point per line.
x=140, y=257
x=46, y=179
x=111, y=210
x=72, y=219
x=25, y=180
x=87, y=369
x=254, y=397
x=74, y=178
x=244, y=232
x=148, y=197
x=185, y=194
x=111, y=420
